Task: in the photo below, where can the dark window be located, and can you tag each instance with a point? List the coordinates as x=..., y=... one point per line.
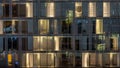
x=6, y=10
x=22, y=10
x=24, y=44
x=94, y=27
x=66, y=44
x=79, y=28
x=87, y=43
x=16, y=30
x=77, y=46
x=94, y=42
x=13, y=43
x=78, y=60
x=24, y=27
x=111, y=44
x=3, y=44
x=15, y=10
x=18, y=10
x=66, y=27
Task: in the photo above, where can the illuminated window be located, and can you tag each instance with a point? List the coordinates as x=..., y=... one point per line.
x=101, y=47
x=50, y=10
x=99, y=26
x=106, y=9
x=85, y=59
x=36, y=45
x=110, y=59
x=92, y=9
x=78, y=9
x=29, y=10
x=38, y=60
x=44, y=26
x=1, y=27
x=92, y=59
x=114, y=42
x=43, y=43
x=100, y=42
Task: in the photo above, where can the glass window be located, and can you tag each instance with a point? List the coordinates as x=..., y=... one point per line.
x=92, y=59
x=78, y=59
x=84, y=42
x=44, y=26
x=36, y=45
x=13, y=27
x=106, y=9
x=114, y=42
x=85, y=59
x=92, y=9
x=18, y=10
x=66, y=27
x=106, y=59
x=38, y=60
x=6, y=10
x=7, y=27
x=1, y=27
x=43, y=43
x=82, y=26
x=77, y=45
x=110, y=59
x=99, y=26
x=100, y=42
x=78, y=9
x=66, y=43
x=24, y=44
x=50, y=9
x=114, y=60
x=13, y=43
x=24, y=27
x=2, y=46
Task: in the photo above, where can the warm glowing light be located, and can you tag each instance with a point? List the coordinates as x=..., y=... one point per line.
x=29, y=8
x=56, y=43
x=115, y=43
x=1, y=27
x=27, y=60
x=99, y=26
x=50, y=10
x=111, y=56
x=44, y=26
x=85, y=57
x=106, y=9
x=78, y=9
x=92, y=9
x=9, y=59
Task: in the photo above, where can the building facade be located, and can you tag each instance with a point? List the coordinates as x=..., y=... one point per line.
x=59, y=33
